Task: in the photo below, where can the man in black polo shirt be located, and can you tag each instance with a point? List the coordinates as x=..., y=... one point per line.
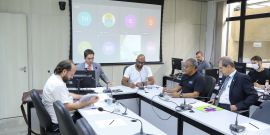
x=192, y=82
x=258, y=75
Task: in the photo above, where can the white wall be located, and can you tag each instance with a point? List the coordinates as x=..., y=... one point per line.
x=48, y=28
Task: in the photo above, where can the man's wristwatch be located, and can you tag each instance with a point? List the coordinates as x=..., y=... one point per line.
x=181, y=95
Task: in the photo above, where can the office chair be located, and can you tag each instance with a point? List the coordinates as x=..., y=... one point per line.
x=44, y=118
x=209, y=87
x=125, y=69
x=84, y=128
x=262, y=114
x=66, y=124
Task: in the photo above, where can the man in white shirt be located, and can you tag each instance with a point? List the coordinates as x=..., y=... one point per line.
x=55, y=89
x=138, y=74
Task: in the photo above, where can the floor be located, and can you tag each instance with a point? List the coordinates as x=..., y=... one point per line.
x=13, y=126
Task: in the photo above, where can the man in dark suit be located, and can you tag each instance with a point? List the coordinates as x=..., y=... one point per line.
x=89, y=64
x=237, y=91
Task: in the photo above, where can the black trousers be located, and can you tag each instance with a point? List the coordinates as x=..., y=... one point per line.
x=75, y=117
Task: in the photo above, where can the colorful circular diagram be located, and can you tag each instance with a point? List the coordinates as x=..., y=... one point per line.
x=84, y=18
x=108, y=48
x=150, y=48
x=83, y=46
x=130, y=21
x=150, y=22
x=108, y=20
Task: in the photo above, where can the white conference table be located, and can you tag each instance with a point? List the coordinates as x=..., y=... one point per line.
x=93, y=116
x=184, y=122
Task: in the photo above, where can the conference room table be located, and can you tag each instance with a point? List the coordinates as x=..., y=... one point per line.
x=150, y=107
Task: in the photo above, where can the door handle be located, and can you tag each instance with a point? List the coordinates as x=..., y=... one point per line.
x=23, y=68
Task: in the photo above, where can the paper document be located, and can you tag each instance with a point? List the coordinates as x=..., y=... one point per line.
x=260, y=125
x=109, y=123
x=209, y=108
x=198, y=104
x=102, y=97
x=94, y=111
x=87, y=97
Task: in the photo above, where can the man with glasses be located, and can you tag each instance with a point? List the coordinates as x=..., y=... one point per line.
x=202, y=64
x=237, y=91
x=89, y=64
x=138, y=74
x=56, y=89
x=192, y=83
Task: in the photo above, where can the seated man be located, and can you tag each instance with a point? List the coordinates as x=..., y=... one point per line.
x=202, y=64
x=138, y=74
x=237, y=91
x=192, y=82
x=258, y=75
x=89, y=64
x=55, y=89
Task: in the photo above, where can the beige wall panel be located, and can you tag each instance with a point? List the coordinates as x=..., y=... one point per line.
x=15, y=6
x=13, y=56
x=167, y=46
x=204, y=13
x=108, y=70
x=169, y=11
x=50, y=45
x=202, y=38
x=48, y=7
x=257, y=29
x=118, y=74
x=188, y=12
x=186, y=40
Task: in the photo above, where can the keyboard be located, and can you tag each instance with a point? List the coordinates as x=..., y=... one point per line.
x=83, y=92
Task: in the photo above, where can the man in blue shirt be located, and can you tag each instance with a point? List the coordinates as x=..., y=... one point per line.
x=202, y=64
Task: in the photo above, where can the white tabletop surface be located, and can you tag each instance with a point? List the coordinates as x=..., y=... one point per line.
x=219, y=120
x=131, y=128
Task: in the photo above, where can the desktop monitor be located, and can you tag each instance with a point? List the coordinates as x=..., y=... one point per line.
x=83, y=79
x=176, y=64
x=212, y=72
x=240, y=67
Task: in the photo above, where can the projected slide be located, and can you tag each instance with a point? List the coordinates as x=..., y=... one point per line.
x=117, y=31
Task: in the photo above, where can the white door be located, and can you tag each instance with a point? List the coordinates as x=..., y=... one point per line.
x=13, y=63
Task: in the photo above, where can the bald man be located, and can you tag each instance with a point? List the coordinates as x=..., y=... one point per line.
x=138, y=74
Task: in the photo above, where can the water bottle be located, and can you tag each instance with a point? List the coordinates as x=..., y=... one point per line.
x=266, y=87
x=109, y=100
x=166, y=96
x=117, y=107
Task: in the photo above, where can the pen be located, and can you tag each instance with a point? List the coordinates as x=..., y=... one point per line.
x=253, y=125
x=111, y=122
x=192, y=103
x=93, y=108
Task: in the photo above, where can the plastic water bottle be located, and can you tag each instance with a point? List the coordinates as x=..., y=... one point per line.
x=266, y=87
x=109, y=100
x=117, y=107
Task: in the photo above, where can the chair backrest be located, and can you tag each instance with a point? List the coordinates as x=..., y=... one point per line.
x=262, y=114
x=84, y=128
x=125, y=69
x=66, y=124
x=43, y=116
x=209, y=86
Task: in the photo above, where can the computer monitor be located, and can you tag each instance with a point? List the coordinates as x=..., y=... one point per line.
x=183, y=64
x=176, y=64
x=212, y=72
x=240, y=67
x=82, y=79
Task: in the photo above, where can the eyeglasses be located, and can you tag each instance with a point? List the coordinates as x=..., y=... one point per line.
x=141, y=62
x=186, y=66
x=90, y=58
x=70, y=73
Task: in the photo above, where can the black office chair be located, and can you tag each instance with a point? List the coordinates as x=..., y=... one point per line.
x=84, y=128
x=44, y=118
x=66, y=124
x=209, y=87
x=262, y=114
x=125, y=69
